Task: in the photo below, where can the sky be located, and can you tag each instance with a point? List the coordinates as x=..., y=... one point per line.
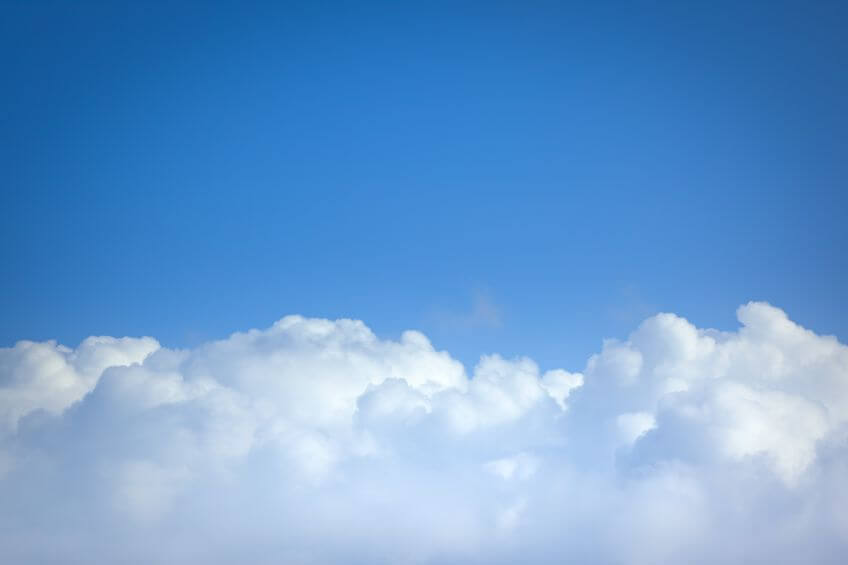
x=187, y=170
x=566, y=259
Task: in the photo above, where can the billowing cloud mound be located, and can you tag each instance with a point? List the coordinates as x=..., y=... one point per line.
x=313, y=441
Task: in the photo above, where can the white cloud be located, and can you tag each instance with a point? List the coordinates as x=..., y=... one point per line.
x=559, y=384
x=772, y=388
x=50, y=377
x=315, y=441
x=633, y=425
x=521, y=466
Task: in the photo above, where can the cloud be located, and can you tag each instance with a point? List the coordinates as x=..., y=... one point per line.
x=520, y=466
x=50, y=377
x=484, y=313
x=772, y=389
x=314, y=441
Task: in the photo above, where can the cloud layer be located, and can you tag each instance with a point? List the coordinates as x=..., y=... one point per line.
x=313, y=441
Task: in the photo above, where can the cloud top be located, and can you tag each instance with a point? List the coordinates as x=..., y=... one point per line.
x=316, y=441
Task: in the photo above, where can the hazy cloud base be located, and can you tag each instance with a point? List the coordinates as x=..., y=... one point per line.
x=313, y=441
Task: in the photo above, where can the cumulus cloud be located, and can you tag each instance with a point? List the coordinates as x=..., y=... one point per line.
x=314, y=441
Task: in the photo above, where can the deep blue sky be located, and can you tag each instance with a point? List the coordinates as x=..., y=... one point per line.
x=185, y=171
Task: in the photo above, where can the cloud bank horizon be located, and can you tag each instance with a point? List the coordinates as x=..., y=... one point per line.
x=315, y=441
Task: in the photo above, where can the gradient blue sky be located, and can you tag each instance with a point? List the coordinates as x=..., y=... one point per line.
x=522, y=177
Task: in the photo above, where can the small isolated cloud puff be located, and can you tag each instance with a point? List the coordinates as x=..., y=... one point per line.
x=483, y=314
x=315, y=441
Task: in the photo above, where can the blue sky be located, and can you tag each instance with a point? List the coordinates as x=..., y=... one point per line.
x=182, y=171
